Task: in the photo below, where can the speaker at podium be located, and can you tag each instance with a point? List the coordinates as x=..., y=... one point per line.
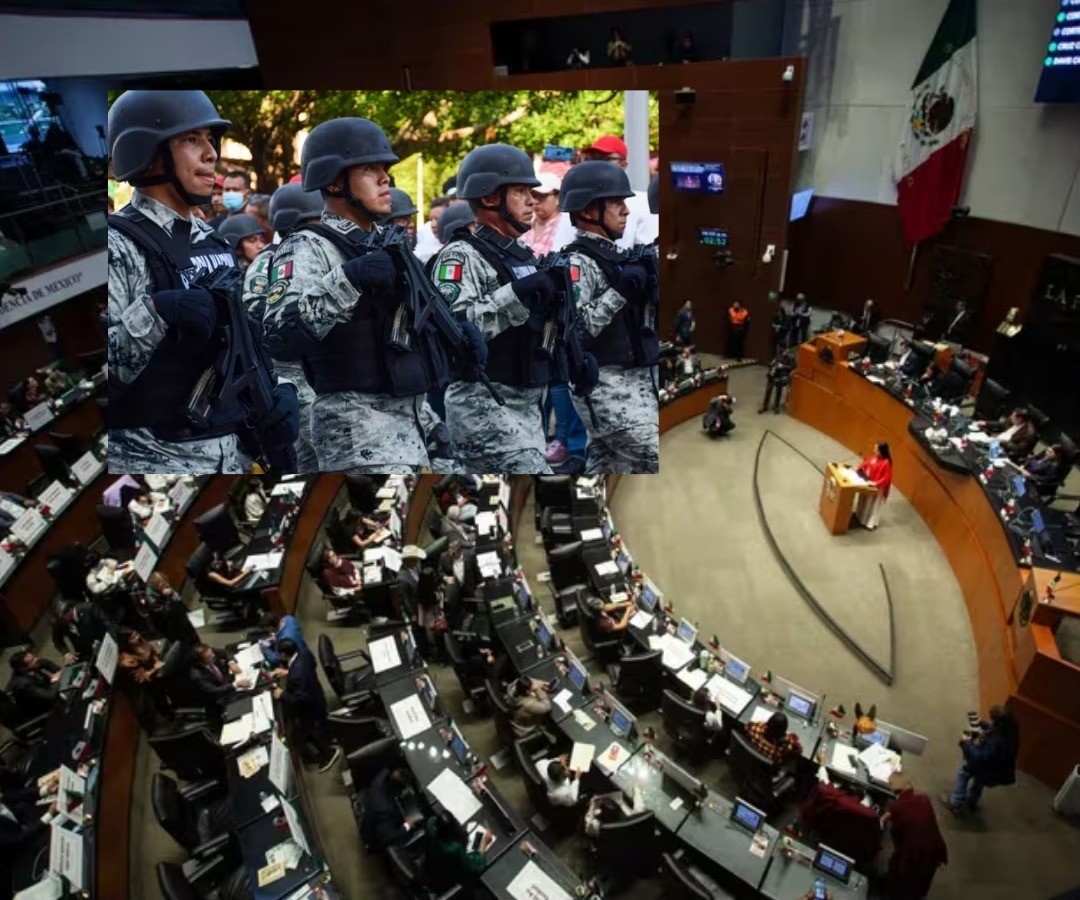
x=840, y=489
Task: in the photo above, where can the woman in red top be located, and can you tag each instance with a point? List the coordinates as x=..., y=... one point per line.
x=876, y=468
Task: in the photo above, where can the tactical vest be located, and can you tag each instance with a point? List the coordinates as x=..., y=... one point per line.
x=516, y=357
x=256, y=306
x=358, y=356
x=626, y=340
x=158, y=397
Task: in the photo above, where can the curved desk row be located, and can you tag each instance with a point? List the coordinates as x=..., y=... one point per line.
x=1018, y=658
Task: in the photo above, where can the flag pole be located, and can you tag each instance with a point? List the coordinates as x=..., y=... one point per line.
x=911, y=267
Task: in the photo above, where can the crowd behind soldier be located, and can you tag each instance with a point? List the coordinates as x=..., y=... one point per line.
x=364, y=377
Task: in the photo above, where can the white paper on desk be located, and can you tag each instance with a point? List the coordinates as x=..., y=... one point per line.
x=197, y=618
x=486, y=522
x=391, y=559
x=880, y=762
x=373, y=554
x=386, y=493
x=489, y=564
x=55, y=496
x=271, y=801
x=66, y=855
x=6, y=562
x=261, y=562
x=50, y=887
x=677, y=653
x=295, y=826
x=384, y=654
x=38, y=416
x=761, y=713
x=584, y=720
x=533, y=883
x=609, y=567
x=251, y=762
x=562, y=700
x=581, y=757
x=107, y=655
x=296, y=488
x=642, y=619
x=613, y=757
x=28, y=526
x=454, y=795
x=250, y=656
x=180, y=493
x=504, y=493
x=592, y=534
x=158, y=529
x=843, y=759
x=692, y=678
x=10, y=444
x=237, y=731
x=145, y=560
x=410, y=716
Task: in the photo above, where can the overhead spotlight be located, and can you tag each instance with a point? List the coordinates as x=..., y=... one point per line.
x=685, y=95
x=789, y=73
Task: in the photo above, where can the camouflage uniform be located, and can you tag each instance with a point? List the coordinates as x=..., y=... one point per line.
x=625, y=438
x=487, y=437
x=135, y=330
x=256, y=286
x=308, y=295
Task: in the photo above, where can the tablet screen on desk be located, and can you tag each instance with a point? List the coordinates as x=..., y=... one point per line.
x=801, y=706
x=749, y=817
x=832, y=863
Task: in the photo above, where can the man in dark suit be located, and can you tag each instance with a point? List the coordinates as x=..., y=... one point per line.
x=457, y=566
x=304, y=702
x=867, y=321
x=77, y=627
x=959, y=325
x=210, y=674
x=33, y=683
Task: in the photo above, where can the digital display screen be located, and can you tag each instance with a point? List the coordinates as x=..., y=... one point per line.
x=620, y=722
x=1018, y=483
x=699, y=178
x=1037, y=521
x=800, y=705
x=578, y=675
x=523, y=597
x=687, y=632
x=544, y=634
x=1060, y=78
x=833, y=863
x=713, y=237
x=744, y=814
x=736, y=669
x=649, y=597
x=459, y=748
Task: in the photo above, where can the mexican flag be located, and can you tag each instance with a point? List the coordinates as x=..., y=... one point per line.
x=937, y=133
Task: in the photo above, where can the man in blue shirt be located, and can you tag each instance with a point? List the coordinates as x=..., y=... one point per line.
x=284, y=628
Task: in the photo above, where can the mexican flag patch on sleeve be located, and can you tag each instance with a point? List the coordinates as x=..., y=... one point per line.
x=280, y=273
x=450, y=270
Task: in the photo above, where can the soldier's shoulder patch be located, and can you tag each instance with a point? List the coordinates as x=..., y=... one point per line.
x=277, y=291
x=450, y=269
x=281, y=272
x=259, y=284
x=575, y=273
x=450, y=291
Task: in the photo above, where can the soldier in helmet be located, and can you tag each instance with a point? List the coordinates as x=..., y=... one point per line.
x=164, y=334
x=490, y=277
x=403, y=212
x=244, y=234
x=338, y=308
x=290, y=205
x=618, y=308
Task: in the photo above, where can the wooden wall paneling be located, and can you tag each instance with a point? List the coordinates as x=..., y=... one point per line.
x=112, y=832
x=283, y=596
x=21, y=466
x=690, y=406
x=419, y=501
x=1048, y=742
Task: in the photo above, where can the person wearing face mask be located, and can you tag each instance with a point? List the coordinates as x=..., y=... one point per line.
x=235, y=191
x=490, y=277
x=340, y=309
x=163, y=333
x=618, y=307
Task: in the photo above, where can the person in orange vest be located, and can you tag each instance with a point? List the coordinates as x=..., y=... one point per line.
x=738, y=326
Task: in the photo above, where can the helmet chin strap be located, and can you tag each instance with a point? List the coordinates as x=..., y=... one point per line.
x=599, y=223
x=347, y=194
x=504, y=213
x=168, y=176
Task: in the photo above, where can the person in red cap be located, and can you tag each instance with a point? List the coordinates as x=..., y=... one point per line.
x=639, y=230
x=215, y=196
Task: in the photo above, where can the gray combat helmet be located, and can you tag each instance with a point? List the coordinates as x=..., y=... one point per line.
x=339, y=144
x=588, y=182
x=486, y=169
x=290, y=204
x=235, y=228
x=654, y=195
x=401, y=204
x=141, y=124
x=453, y=219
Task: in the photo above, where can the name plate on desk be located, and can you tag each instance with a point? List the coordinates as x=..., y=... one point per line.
x=28, y=526
x=6, y=562
x=85, y=468
x=108, y=654
x=533, y=883
x=66, y=855
x=158, y=530
x=55, y=496
x=504, y=494
x=145, y=560
x=38, y=416
x=180, y=494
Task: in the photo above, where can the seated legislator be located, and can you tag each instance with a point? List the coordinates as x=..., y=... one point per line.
x=364, y=531
x=563, y=786
x=226, y=572
x=210, y=671
x=168, y=613
x=772, y=739
x=382, y=824
x=33, y=684
x=876, y=468
x=447, y=861
x=918, y=847
x=341, y=575
x=529, y=705
x=255, y=501
x=1047, y=470
x=1018, y=436
x=77, y=627
x=611, y=617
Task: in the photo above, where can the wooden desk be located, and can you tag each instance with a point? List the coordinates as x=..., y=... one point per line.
x=21, y=466
x=843, y=344
x=1018, y=659
x=1066, y=600
x=691, y=405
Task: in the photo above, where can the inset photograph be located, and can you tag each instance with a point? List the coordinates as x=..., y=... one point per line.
x=383, y=282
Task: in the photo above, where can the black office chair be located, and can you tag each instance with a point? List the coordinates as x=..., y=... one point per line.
x=117, y=529
x=637, y=680
x=70, y=446
x=26, y=726
x=606, y=648
x=339, y=536
x=683, y=881
x=217, y=529
x=500, y=711
x=878, y=348
x=685, y=724
x=354, y=687
x=190, y=751
x=556, y=529
x=231, y=612
x=552, y=492
x=966, y=374
x=406, y=865
x=567, y=565
x=1041, y=421
x=628, y=849
x=17, y=396
x=760, y=780
x=472, y=683
x=566, y=606
x=371, y=759
x=922, y=354
x=69, y=568
x=353, y=730
x=176, y=885
x=993, y=400
x=527, y=752
x=53, y=463
x=193, y=815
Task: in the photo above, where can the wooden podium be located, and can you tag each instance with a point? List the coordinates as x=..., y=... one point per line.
x=842, y=343
x=839, y=489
